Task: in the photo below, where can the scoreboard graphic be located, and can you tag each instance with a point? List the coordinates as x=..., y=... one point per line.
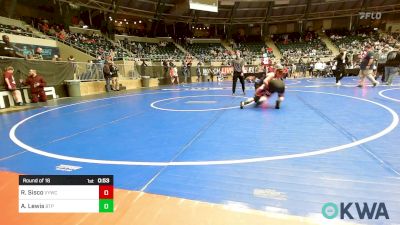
x=66, y=194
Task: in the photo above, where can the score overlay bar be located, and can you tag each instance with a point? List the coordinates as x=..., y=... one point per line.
x=66, y=194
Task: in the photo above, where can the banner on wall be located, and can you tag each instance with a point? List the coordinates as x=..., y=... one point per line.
x=54, y=73
x=28, y=49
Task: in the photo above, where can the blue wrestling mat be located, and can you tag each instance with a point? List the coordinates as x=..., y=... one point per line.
x=325, y=144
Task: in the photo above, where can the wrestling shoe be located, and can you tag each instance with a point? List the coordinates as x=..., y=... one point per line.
x=241, y=105
x=277, y=104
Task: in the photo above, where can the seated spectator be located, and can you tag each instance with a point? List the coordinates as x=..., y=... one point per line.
x=52, y=32
x=62, y=35
x=8, y=49
x=38, y=54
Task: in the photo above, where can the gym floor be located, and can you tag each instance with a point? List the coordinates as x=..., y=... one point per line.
x=187, y=154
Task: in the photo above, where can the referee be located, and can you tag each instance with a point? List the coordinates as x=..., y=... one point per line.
x=238, y=69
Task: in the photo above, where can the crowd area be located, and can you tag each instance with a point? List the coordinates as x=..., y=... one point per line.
x=294, y=46
x=10, y=29
x=303, y=54
x=90, y=42
x=155, y=51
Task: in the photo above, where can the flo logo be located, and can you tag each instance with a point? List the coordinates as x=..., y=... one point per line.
x=370, y=15
x=351, y=209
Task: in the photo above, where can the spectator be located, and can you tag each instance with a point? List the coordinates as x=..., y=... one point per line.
x=392, y=66
x=55, y=58
x=89, y=69
x=62, y=35
x=107, y=75
x=37, y=84
x=71, y=59
x=12, y=86
x=382, y=57
x=143, y=68
x=174, y=74
x=8, y=49
x=114, y=76
x=112, y=54
x=366, y=67
x=165, y=67
x=185, y=71
x=38, y=54
x=198, y=71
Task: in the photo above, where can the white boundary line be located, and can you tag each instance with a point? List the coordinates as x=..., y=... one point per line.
x=320, y=82
x=384, y=96
x=200, y=102
x=153, y=104
x=293, y=83
x=385, y=131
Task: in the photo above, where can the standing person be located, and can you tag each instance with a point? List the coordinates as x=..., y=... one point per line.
x=89, y=70
x=217, y=72
x=271, y=84
x=382, y=57
x=12, y=86
x=341, y=61
x=294, y=70
x=107, y=75
x=198, y=71
x=174, y=74
x=301, y=67
x=165, y=67
x=112, y=54
x=143, y=68
x=71, y=59
x=238, y=72
x=98, y=62
x=189, y=67
x=185, y=71
x=36, y=84
x=311, y=68
x=114, y=76
x=211, y=73
x=392, y=66
x=366, y=67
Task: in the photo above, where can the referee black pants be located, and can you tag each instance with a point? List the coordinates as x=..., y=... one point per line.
x=237, y=75
x=340, y=73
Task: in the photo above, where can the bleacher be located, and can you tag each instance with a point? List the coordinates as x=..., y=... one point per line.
x=9, y=29
x=156, y=52
x=254, y=49
x=95, y=45
x=314, y=48
x=207, y=51
x=349, y=40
